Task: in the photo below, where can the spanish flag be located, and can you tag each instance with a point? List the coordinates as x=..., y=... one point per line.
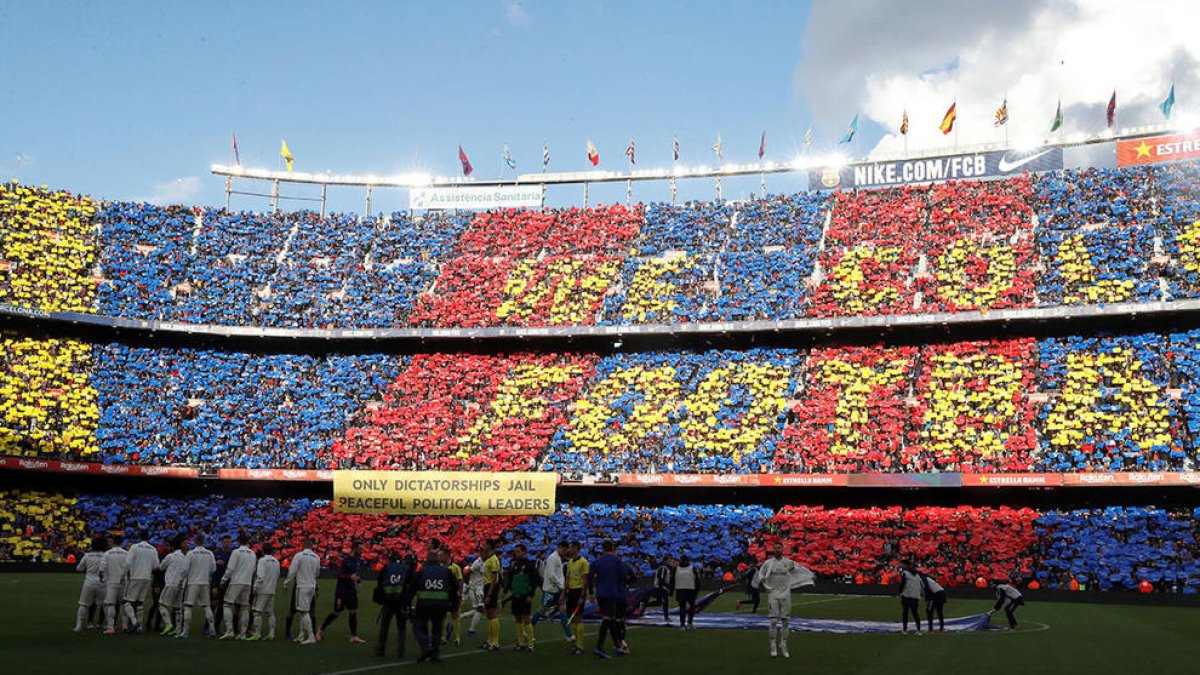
x=286, y=154
x=947, y=124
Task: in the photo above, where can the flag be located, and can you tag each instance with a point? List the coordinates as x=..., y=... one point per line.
x=1112, y=109
x=762, y=144
x=286, y=154
x=808, y=139
x=629, y=152
x=1002, y=113
x=508, y=158
x=850, y=131
x=1168, y=103
x=904, y=124
x=675, y=148
x=593, y=154
x=1058, y=118
x=545, y=155
x=717, y=148
x=466, y=163
x=237, y=158
x=947, y=124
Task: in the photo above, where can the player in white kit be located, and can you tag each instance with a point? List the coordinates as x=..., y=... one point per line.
x=778, y=576
x=239, y=574
x=303, y=571
x=116, y=570
x=170, y=601
x=474, y=598
x=200, y=567
x=142, y=560
x=266, y=579
x=92, y=566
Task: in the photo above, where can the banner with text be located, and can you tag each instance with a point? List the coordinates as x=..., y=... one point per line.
x=469, y=198
x=1158, y=149
x=935, y=169
x=446, y=493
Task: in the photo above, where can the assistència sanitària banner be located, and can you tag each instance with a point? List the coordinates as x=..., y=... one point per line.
x=444, y=493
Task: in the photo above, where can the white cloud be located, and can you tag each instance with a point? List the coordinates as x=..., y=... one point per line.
x=515, y=14
x=879, y=58
x=178, y=191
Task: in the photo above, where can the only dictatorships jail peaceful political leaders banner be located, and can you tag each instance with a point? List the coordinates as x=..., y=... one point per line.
x=444, y=493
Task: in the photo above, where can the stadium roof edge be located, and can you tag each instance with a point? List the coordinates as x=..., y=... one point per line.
x=801, y=163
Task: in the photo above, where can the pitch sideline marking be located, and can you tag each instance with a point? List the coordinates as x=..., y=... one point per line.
x=455, y=655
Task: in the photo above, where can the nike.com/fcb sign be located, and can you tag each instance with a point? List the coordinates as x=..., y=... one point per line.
x=936, y=169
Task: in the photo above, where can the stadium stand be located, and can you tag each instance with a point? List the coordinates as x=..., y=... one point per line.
x=713, y=536
x=194, y=406
x=1059, y=405
x=47, y=249
x=40, y=527
x=48, y=405
x=1091, y=236
x=1109, y=548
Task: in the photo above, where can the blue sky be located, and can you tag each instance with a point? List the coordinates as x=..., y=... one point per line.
x=137, y=99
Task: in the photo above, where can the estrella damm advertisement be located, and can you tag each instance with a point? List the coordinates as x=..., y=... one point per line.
x=444, y=493
x=1155, y=149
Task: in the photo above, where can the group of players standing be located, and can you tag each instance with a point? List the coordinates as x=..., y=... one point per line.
x=236, y=589
x=431, y=593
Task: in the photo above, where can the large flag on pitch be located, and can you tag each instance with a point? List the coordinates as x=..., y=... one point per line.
x=1111, y=113
x=286, y=154
x=1168, y=103
x=466, y=163
x=1002, y=113
x=1058, y=118
x=630, y=152
x=850, y=131
x=947, y=124
x=593, y=154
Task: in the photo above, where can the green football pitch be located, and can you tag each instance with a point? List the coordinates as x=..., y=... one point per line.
x=38, y=613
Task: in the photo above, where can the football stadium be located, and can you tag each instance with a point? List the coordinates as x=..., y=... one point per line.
x=833, y=402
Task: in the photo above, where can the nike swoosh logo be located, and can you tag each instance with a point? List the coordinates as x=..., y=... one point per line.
x=1005, y=166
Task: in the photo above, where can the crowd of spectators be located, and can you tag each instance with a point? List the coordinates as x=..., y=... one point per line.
x=956, y=545
x=124, y=517
x=40, y=526
x=1060, y=404
x=1119, y=547
x=47, y=249
x=48, y=405
x=1088, y=236
x=465, y=412
x=531, y=268
x=710, y=535
x=1109, y=408
x=714, y=412
x=197, y=406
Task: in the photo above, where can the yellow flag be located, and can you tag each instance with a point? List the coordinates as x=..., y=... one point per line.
x=285, y=154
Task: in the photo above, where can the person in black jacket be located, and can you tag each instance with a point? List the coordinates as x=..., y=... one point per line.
x=521, y=581
x=435, y=590
x=393, y=592
x=753, y=593
x=664, y=586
